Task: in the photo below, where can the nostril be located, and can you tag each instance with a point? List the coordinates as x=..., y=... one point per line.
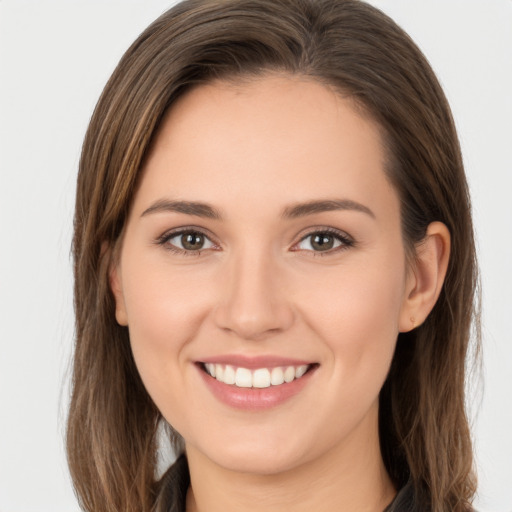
x=253, y=323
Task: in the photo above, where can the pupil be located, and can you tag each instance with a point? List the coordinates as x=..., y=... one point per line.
x=192, y=241
x=322, y=242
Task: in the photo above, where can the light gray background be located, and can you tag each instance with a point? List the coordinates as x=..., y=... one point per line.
x=55, y=57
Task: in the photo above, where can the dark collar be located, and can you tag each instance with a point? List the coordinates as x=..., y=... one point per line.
x=404, y=501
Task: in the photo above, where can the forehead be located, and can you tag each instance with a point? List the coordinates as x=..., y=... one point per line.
x=281, y=138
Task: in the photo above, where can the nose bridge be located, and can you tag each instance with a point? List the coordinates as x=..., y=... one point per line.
x=253, y=302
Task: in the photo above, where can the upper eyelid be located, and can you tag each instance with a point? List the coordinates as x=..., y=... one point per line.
x=171, y=233
x=325, y=229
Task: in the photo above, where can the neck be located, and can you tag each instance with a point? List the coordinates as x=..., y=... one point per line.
x=348, y=477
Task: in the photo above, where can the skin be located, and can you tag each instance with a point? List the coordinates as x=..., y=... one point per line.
x=251, y=150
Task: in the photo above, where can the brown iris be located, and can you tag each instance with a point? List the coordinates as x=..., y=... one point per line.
x=192, y=241
x=322, y=242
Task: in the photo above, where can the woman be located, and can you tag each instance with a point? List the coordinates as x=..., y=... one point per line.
x=274, y=257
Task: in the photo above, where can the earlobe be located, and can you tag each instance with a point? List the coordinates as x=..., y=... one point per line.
x=426, y=278
x=115, y=281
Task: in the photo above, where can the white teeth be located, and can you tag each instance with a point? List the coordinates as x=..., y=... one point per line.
x=211, y=369
x=243, y=378
x=300, y=371
x=229, y=375
x=289, y=374
x=259, y=378
x=277, y=376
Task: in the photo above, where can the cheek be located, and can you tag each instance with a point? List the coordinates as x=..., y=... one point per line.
x=160, y=315
x=358, y=295
x=164, y=303
x=356, y=310
x=165, y=310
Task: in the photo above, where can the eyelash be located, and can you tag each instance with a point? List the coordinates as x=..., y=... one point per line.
x=163, y=240
x=345, y=241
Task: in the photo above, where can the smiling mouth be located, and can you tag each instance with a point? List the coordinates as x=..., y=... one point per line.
x=256, y=378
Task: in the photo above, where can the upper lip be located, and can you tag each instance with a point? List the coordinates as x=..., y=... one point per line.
x=254, y=362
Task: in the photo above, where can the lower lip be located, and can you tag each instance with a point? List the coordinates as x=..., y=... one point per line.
x=253, y=399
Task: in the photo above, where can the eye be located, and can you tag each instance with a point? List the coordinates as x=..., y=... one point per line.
x=325, y=241
x=188, y=241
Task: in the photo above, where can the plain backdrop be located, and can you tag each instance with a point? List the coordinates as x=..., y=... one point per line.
x=55, y=57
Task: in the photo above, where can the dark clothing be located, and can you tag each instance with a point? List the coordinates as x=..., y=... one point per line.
x=405, y=501
x=176, y=481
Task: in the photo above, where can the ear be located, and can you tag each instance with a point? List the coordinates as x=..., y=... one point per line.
x=116, y=285
x=426, y=277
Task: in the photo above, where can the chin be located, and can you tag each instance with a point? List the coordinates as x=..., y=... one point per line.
x=257, y=457
x=259, y=465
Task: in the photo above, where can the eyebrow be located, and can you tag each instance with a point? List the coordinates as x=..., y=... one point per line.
x=186, y=207
x=294, y=211
x=311, y=207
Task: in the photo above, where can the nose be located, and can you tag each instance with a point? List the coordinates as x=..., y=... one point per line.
x=254, y=303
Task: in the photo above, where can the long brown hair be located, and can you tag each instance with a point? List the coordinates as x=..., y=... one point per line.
x=112, y=424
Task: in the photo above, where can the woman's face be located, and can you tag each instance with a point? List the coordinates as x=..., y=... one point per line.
x=264, y=241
